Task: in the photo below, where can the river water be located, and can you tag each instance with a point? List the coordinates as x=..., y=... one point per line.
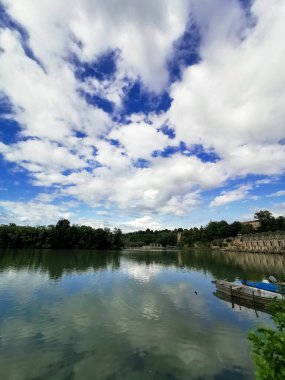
x=129, y=315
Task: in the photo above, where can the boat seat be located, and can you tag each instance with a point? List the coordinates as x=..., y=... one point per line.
x=236, y=287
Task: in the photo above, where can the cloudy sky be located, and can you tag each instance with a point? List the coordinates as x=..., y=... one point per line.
x=138, y=114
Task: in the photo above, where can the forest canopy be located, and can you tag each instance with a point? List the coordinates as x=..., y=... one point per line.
x=63, y=235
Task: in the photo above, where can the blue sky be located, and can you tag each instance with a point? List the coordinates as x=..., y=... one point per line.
x=141, y=114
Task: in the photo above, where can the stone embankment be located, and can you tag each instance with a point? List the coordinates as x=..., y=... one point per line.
x=267, y=242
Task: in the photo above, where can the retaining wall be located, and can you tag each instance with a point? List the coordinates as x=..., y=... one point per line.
x=268, y=242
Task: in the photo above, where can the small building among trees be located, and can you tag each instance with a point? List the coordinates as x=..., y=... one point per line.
x=255, y=224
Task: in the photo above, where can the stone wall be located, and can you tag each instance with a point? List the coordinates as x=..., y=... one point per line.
x=268, y=242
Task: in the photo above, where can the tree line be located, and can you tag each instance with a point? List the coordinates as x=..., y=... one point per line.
x=148, y=237
x=223, y=230
x=205, y=234
x=63, y=235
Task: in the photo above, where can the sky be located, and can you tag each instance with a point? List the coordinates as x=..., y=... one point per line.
x=141, y=114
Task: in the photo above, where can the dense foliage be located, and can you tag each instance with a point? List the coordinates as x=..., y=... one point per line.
x=65, y=235
x=62, y=235
x=149, y=237
x=268, y=222
x=269, y=345
x=212, y=231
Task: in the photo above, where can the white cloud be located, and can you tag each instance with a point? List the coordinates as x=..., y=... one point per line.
x=263, y=181
x=231, y=102
x=233, y=99
x=267, y=159
x=94, y=223
x=45, y=197
x=231, y=196
x=168, y=186
x=101, y=26
x=140, y=140
x=32, y=213
x=38, y=152
x=279, y=193
x=47, y=105
x=278, y=209
x=111, y=156
x=143, y=223
x=110, y=89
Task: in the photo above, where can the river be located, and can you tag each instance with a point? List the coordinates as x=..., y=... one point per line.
x=126, y=315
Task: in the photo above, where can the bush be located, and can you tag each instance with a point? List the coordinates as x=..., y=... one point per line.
x=269, y=345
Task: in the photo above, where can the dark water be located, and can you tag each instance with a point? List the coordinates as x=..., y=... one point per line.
x=134, y=315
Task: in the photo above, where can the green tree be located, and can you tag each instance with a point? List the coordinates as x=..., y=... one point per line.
x=266, y=220
x=269, y=345
x=235, y=228
x=280, y=223
x=167, y=238
x=117, y=238
x=246, y=229
x=62, y=234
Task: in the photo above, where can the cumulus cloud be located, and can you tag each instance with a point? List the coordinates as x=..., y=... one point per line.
x=33, y=212
x=168, y=186
x=140, y=140
x=229, y=103
x=232, y=100
x=46, y=103
x=101, y=26
x=38, y=152
x=143, y=223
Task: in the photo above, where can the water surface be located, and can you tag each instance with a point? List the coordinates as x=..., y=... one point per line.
x=130, y=315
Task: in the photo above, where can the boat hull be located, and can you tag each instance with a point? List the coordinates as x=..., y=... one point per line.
x=247, y=293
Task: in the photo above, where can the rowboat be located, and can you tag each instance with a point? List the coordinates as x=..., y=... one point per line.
x=263, y=285
x=248, y=293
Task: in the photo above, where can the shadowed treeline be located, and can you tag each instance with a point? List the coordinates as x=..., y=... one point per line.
x=63, y=235
x=56, y=263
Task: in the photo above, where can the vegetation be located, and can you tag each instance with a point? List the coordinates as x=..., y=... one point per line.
x=212, y=231
x=269, y=345
x=63, y=235
x=223, y=230
x=203, y=235
x=268, y=222
x=141, y=238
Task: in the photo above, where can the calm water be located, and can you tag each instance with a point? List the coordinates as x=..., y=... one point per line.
x=134, y=315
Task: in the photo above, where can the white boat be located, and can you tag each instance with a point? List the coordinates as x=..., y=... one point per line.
x=246, y=292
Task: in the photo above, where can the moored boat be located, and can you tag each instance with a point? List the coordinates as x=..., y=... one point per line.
x=246, y=292
x=263, y=285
